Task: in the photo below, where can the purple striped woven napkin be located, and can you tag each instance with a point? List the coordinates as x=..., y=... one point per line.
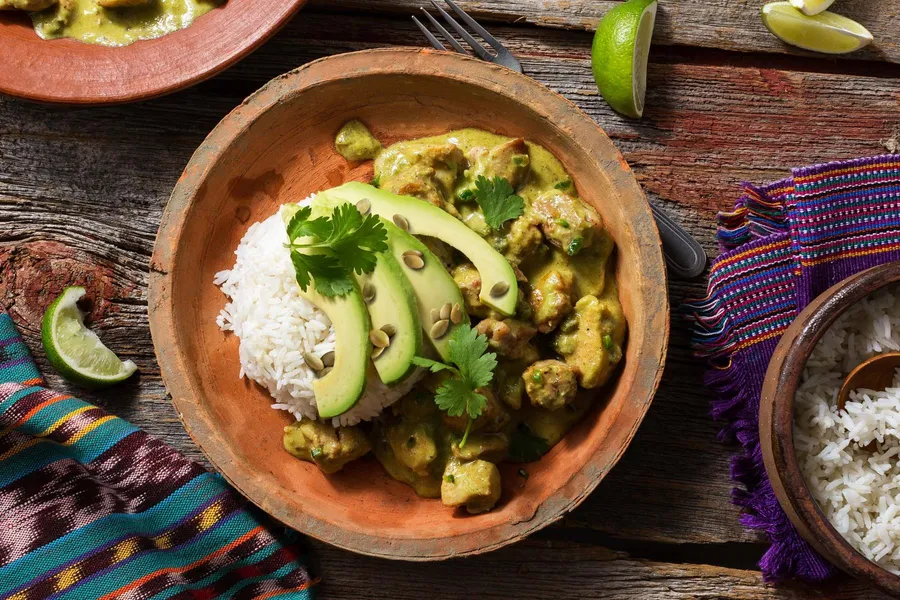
x=781, y=246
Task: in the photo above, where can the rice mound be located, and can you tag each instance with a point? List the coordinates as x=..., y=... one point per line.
x=276, y=326
x=858, y=490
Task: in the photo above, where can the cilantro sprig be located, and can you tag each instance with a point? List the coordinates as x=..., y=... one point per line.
x=473, y=368
x=498, y=201
x=336, y=247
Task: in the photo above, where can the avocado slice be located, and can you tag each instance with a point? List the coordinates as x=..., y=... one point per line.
x=404, y=297
x=433, y=285
x=425, y=219
x=393, y=305
x=340, y=389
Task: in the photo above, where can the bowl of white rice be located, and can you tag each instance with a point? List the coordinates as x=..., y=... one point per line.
x=836, y=472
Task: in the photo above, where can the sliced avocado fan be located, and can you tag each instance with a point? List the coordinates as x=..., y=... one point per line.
x=499, y=288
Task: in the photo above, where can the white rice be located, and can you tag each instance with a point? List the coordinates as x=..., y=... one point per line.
x=276, y=326
x=858, y=490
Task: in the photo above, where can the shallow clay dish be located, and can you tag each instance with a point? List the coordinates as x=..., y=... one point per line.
x=71, y=72
x=277, y=147
x=776, y=421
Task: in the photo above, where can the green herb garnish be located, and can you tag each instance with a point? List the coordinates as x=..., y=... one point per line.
x=449, y=478
x=607, y=342
x=498, y=201
x=525, y=445
x=564, y=184
x=375, y=181
x=520, y=161
x=466, y=195
x=474, y=368
x=575, y=246
x=341, y=245
x=537, y=377
x=315, y=452
x=563, y=223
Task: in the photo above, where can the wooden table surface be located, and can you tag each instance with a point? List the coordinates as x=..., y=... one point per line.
x=82, y=191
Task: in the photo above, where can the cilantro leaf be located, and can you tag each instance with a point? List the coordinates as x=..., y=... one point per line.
x=344, y=243
x=498, y=201
x=432, y=365
x=467, y=349
x=301, y=225
x=474, y=369
x=525, y=445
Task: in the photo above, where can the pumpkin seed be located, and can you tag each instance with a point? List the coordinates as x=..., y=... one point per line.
x=401, y=222
x=379, y=338
x=439, y=329
x=456, y=314
x=364, y=206
x=389, y=329
x=445, y=311
x=328, y=359
x=500, y=288
x=413, y=253
x=413, y=262
x=368, y=292
x=377, y=352
x=324, y=372
x=435, y=315
x=315, y=363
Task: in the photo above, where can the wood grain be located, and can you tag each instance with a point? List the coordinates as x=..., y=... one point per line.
x=82, y=191
x=722, y=24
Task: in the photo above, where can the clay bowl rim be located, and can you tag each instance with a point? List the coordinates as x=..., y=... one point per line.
x=776, y=423
x=76, y=87
x=412, y=62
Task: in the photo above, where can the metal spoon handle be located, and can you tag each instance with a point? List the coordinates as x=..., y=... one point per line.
x=684, y=255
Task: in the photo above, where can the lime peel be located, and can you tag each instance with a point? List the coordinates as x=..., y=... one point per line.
x=619, y=55
x=76, y=351
x=825, y=32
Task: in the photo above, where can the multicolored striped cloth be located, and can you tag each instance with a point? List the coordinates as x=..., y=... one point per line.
x=92, y=507
x=782, y=245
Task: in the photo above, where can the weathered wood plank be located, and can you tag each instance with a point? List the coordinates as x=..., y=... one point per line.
x=558, y=570
x=723, y=24
x=82, y=191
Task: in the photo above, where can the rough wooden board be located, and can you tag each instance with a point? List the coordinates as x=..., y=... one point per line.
x=724, y=24
x=81, y=193
x=558, y=570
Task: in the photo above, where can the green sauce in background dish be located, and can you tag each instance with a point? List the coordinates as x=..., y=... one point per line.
x=84, y=20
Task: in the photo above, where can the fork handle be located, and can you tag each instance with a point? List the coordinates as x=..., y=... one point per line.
x=684, y=255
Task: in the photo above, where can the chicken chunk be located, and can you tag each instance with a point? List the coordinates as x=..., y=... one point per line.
x=29, y=5
x=474, y=484
x=523, y=238
x=566, y=222
x=591, y=340
x=413, y=443
x=468, y=279
x=329, y=448
x=122, y=3
x=508, y=160
x=428, y=172
x=487, y=446
x=510, y=337
x=551, y=299
x=550, y=384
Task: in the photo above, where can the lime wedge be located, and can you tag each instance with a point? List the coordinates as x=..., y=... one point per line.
x=76, y=351
x=811, y=7
x=825, y=32
x=619, y=55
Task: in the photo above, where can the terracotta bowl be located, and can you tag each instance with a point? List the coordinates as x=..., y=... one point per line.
x=278, y=147
x=71, y=72
x=777, y=417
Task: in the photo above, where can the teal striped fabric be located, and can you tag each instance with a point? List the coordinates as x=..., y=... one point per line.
x=93, y=508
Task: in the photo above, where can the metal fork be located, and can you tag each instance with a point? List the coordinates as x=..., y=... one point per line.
x=684, y=255
x=502, y=56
